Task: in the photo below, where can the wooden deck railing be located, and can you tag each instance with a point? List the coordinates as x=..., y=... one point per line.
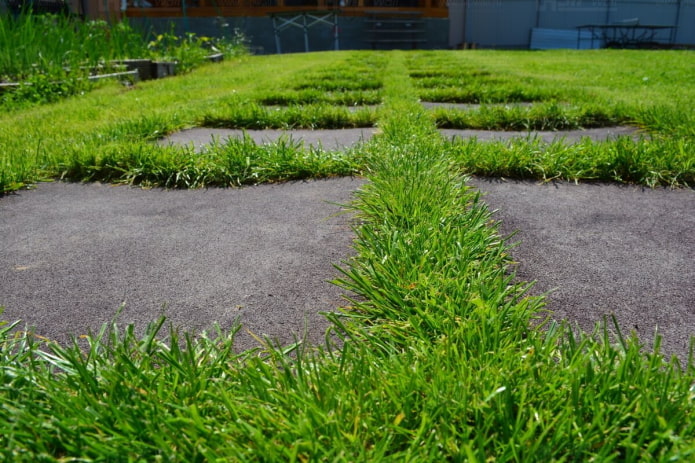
x=212, y=8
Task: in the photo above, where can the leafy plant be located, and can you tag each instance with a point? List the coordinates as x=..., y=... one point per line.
x=52, y=56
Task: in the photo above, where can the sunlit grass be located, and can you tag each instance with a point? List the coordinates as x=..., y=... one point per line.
x=623, y=160
x=312, y=96
x=539, y=116
x=37, y=143
x=442, y=354
x=322, y=116
x=232, y=163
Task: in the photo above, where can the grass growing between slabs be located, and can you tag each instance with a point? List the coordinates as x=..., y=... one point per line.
x=665, y=162
x=89, y=138
x=108, y=134
x=356, y=81
x=540, y=116
x=554, y=91
x=440, y=360
x=249, y=115
x=232, y=163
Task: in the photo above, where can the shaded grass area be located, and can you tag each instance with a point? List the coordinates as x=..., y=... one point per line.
x=52, y=56
x=443, y=356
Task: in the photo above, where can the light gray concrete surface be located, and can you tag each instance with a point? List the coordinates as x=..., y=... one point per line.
x=345, y=138
x=568, y=136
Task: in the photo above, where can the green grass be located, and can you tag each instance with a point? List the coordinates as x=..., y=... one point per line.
x=315, y=116
x=52, y=55
x=540, y=116
x=76, y=138
x=665, y=162
x=443, y=356
x=353, y=82
x=314, y=96
x=468, y=83
x=231, y=163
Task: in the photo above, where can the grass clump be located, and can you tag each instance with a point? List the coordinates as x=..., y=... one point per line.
x=313, y=96
x=319, y=116
x=232, y=163
x=484, y=92
x=540, y=116
x=623, y=160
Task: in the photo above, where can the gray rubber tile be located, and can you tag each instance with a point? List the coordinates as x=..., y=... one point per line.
x=72, y=253
x=328, y=139
x=605, y=249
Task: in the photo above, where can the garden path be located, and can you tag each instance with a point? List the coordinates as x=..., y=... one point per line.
x=263, y=254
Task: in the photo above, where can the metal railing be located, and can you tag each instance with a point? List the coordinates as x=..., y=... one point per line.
x=211, y=8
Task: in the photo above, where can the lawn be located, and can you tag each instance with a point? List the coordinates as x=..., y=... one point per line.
x=443, y=356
